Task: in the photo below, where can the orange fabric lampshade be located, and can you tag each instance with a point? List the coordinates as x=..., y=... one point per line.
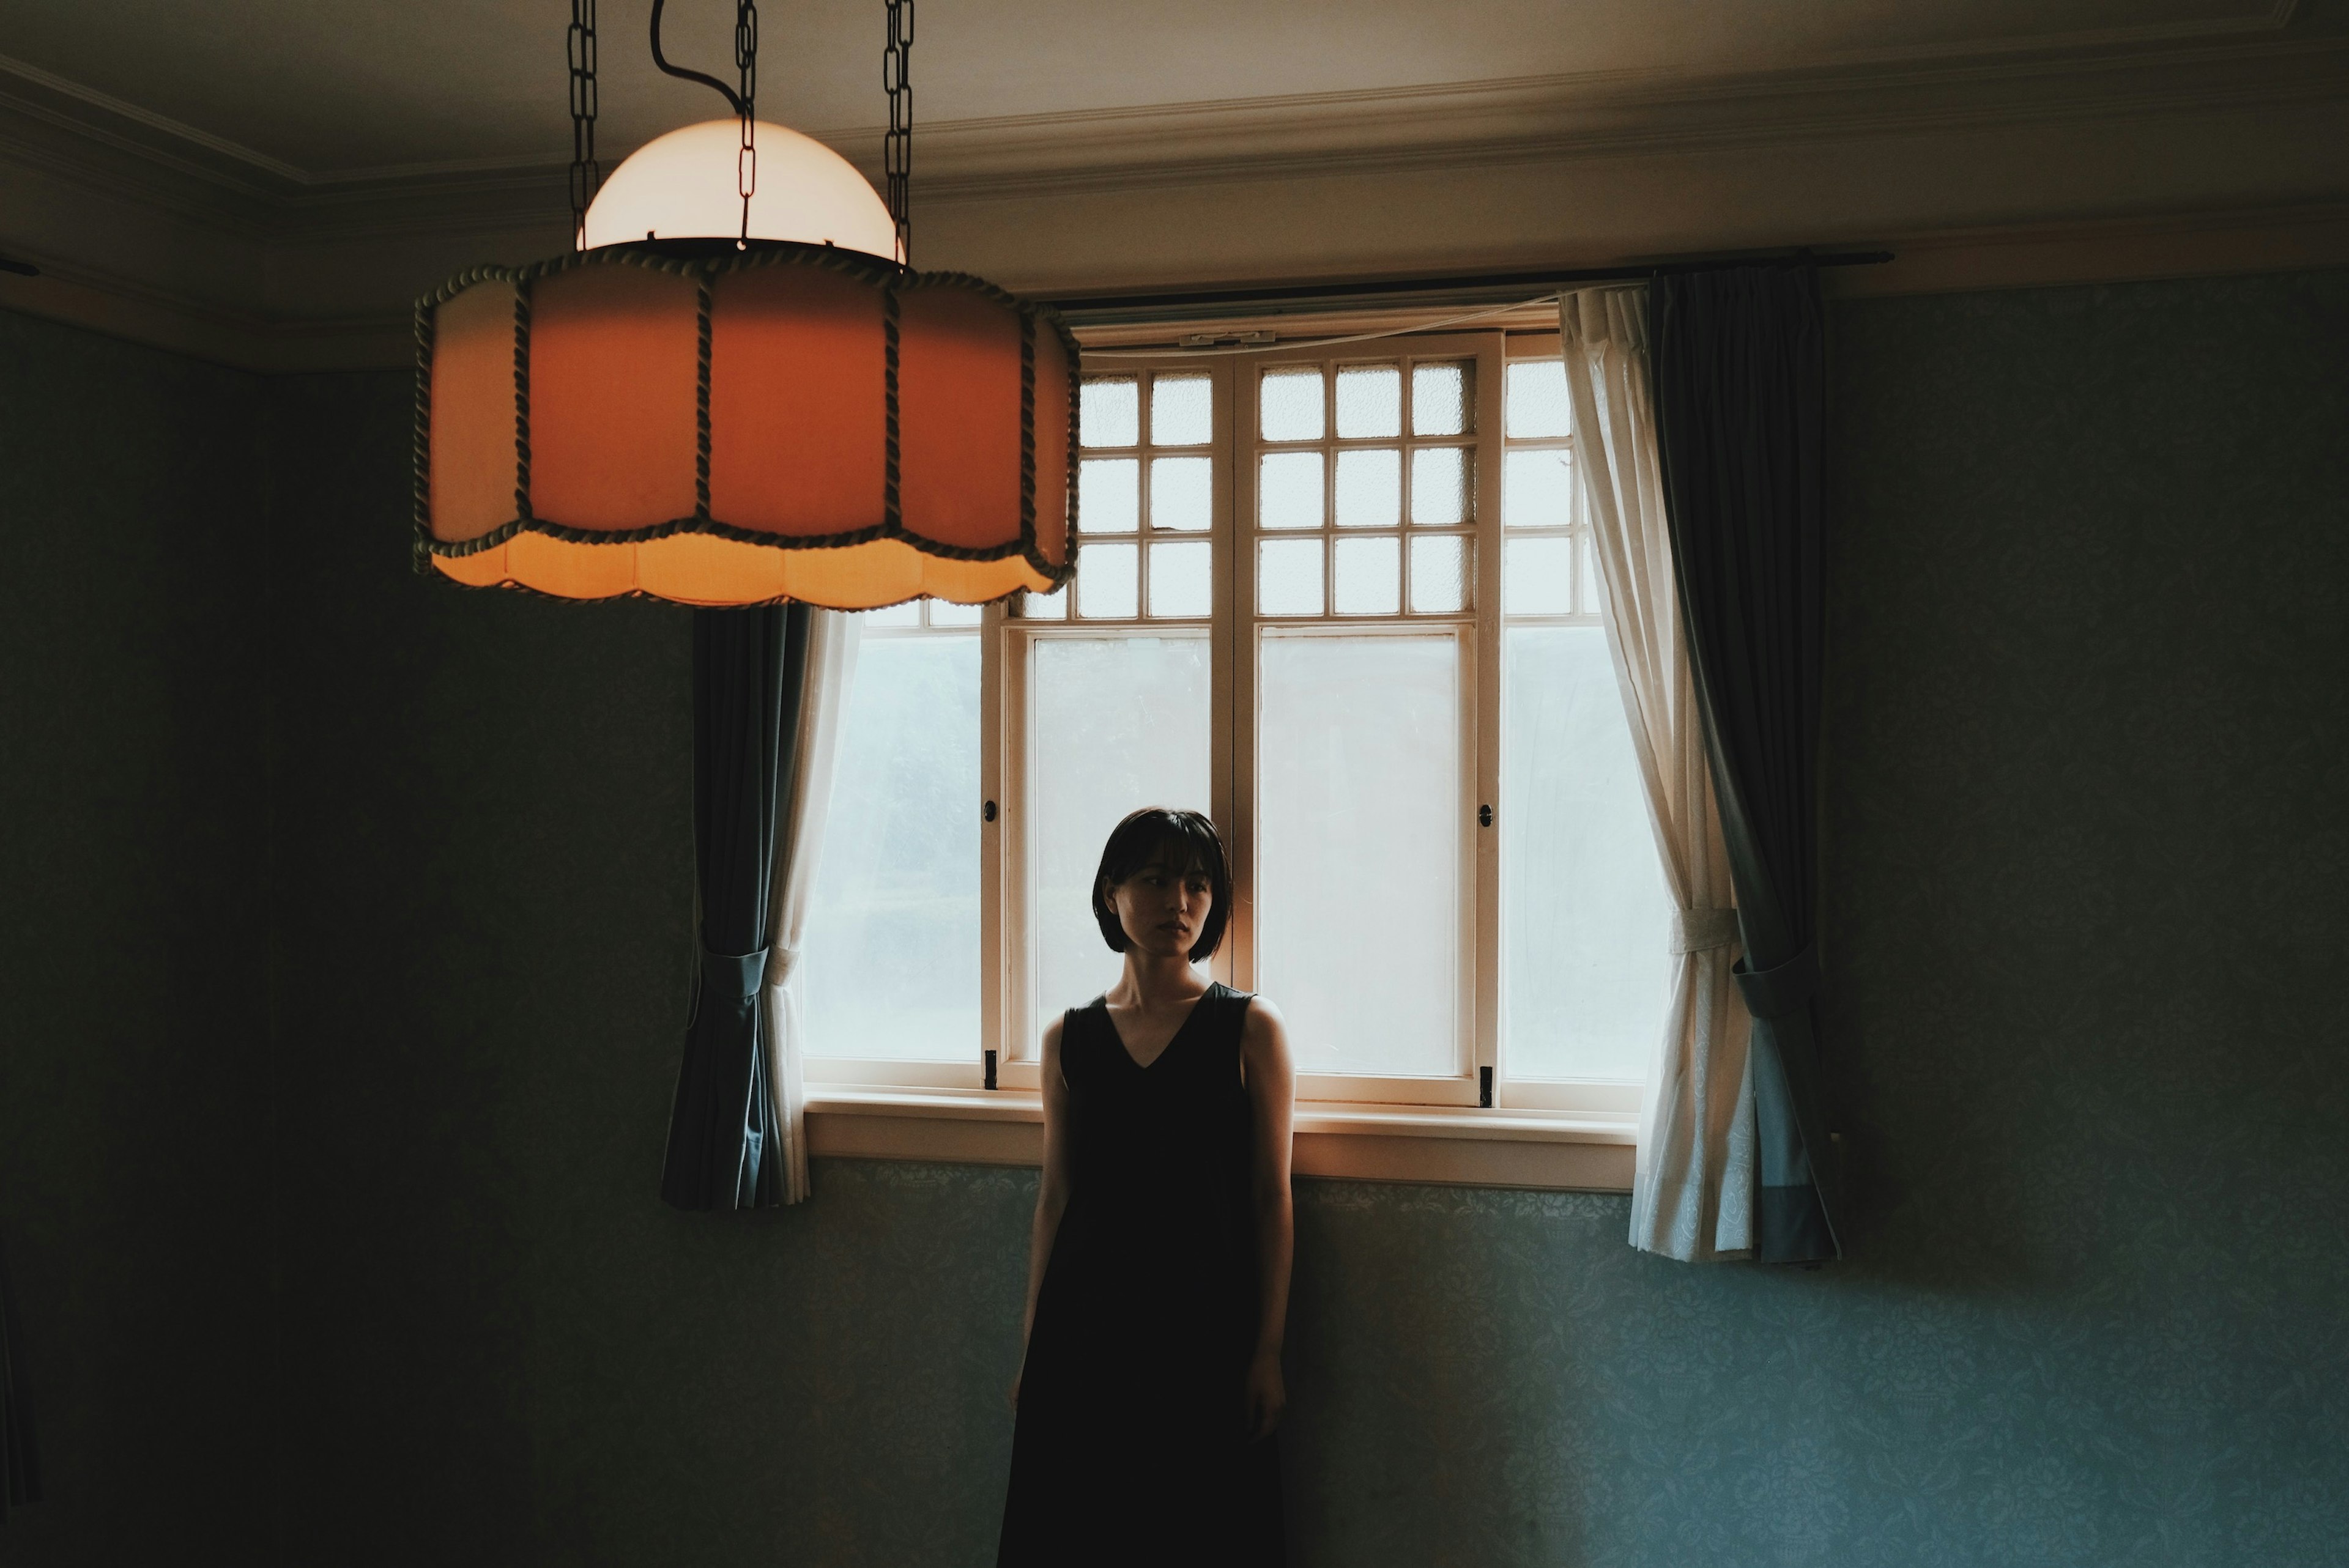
x=790, y=422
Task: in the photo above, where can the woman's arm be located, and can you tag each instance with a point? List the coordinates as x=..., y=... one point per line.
x=1271, y=1087
x=1052, y=1190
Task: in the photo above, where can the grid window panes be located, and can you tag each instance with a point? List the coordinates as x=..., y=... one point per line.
x=892, y=965
x=1146, y=501
x=1585, y=916
x=1362, y=540
x=1352, y=460
x=1118, y=697
x=1344, y=599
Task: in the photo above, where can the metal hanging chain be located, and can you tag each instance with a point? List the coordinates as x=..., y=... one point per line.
x=744, y=102
x=746, y=60
x=898, y=149
x=586, y=174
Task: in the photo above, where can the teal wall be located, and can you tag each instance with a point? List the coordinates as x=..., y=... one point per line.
x=137, y=1098
x=2083, y=847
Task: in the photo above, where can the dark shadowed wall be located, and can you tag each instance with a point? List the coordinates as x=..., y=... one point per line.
x=2087, y=743
x=137, y=1088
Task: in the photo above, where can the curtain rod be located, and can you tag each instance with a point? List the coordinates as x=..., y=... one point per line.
x=1077, y=304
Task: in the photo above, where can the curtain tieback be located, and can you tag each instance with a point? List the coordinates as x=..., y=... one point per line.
x=1696, y=930
x=739, y=977
x=1785, y=988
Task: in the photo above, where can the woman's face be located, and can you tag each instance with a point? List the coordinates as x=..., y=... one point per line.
x=1163, y=909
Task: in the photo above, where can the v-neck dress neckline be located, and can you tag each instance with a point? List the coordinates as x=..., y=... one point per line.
x=1128, y=1445
x=1172, y=1040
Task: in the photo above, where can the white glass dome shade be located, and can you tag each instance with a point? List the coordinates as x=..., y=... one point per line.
x=682, y=186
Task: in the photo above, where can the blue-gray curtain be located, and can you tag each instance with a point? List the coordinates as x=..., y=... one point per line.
x=749, y=668
x=1739, y=363
x=20, y=1468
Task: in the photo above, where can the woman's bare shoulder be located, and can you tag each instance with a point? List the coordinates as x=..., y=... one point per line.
x=1264, y=1028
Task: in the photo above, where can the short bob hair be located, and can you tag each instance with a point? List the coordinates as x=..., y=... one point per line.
x=1185, y=840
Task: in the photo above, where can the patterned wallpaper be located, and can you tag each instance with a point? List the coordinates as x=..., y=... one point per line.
x=135, y=1069
x=2084, y=852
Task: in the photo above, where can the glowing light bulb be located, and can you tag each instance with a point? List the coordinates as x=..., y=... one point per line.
x=682, y=186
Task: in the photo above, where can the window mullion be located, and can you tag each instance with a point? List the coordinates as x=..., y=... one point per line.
x=1490, y=361
x=994, y=1033
x=1236, y=725
x=1223, y=641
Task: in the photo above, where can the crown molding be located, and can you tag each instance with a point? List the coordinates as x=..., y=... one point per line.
x=194, y=152
x=1544, y=118
x=182, y=321
x=180, y=150
x=186, y=242
x=2135, y=248
x=84, y=135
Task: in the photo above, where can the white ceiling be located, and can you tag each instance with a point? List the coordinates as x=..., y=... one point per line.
x=318, y=91
x=271, y=182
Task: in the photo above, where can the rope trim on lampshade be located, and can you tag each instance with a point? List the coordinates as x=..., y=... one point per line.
x=892, y=514
x=701, y=303
x=1027, y=425
x=705, y=271
x=420, y=551
x=521, y=400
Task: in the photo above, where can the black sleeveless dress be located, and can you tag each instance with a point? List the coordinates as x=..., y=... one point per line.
x=1132, y=1446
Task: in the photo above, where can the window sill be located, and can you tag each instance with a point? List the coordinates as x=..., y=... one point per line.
x=1357, y=1142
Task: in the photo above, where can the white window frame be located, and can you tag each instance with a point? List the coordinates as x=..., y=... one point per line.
x=1476, y=1003
x=1536, y=1134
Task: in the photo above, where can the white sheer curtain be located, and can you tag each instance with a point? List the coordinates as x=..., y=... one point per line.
x=799, y=843
x=1693, y=1192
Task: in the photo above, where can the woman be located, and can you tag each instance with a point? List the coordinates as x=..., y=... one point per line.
x=1158, y=1272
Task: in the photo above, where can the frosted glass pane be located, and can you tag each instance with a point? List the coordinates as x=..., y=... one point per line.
x=1181, y=493
x=1108, y=581
x=1289, y=493
x=1109, y=495
x=1370, y=576
x=1180, y=581
x=1369, y=401
x=1587, y=586
x=1052, y=606
x=1358, y=811
x=1439, y=574
x=1117, y=724
x=943, y=614
x=1289, y=577
x=1536, y=400
x=1537, y=577
x=1585, y=914
x=908, y=613
x=1537, y=489
x=1289, y=404
x=1439, y=400
x=892, y=962
x=1109, y=412
x=1439, y=487
x=1369, y=489
x=1181, y=410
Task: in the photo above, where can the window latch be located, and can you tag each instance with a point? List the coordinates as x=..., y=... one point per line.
x=987, y=812
x=1212, y=339
x=1484, y=1087
x=989, y=1082
x=1483, y=816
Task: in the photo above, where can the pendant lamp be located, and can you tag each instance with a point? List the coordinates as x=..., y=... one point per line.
x=734, y=390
